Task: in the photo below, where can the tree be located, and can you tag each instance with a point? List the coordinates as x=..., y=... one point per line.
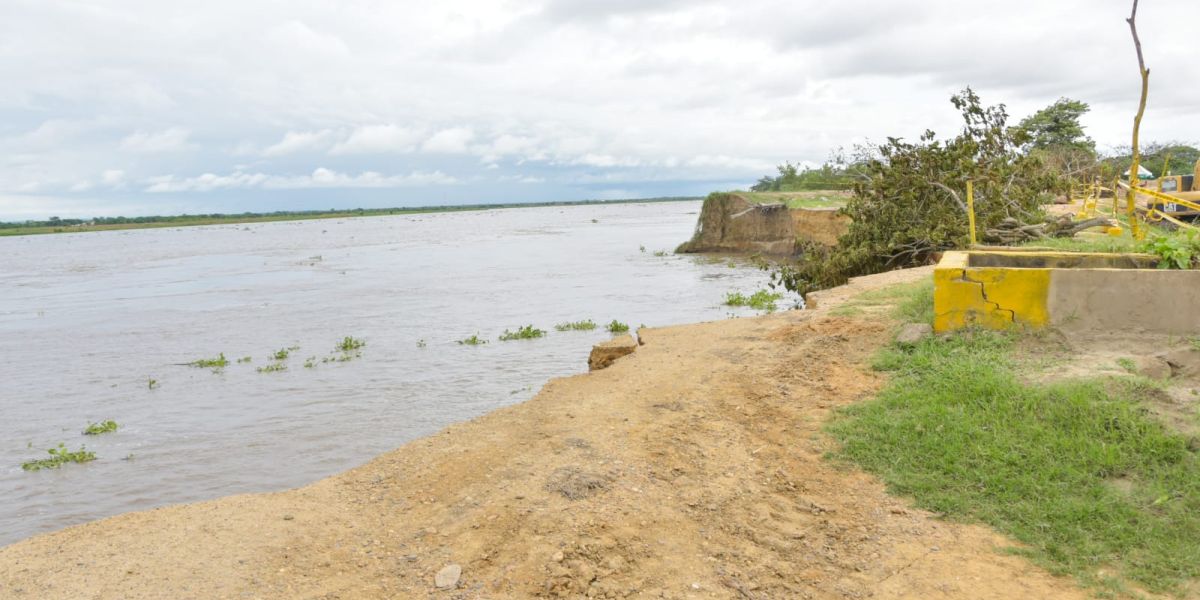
x=1057, y=127
x=909, y=200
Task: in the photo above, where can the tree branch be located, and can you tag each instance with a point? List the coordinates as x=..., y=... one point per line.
x=952, y=193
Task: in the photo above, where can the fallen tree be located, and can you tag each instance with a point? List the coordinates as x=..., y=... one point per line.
x=909, y=198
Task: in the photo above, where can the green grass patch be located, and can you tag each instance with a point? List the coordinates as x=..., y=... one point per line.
x=101, y=427
x=58, y=457
x=907, y=302
x=1076, y=471
x=760, y=300
x=1127, y=364
x=528, y=332
x=585, y=325
x=805, y=199
x=474, y=340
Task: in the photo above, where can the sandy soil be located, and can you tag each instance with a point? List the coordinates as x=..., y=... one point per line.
x=690, y=469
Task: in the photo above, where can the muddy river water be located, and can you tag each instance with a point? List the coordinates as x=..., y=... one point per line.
x=87, y=320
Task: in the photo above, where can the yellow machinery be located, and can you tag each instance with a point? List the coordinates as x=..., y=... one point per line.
x=1185, y=188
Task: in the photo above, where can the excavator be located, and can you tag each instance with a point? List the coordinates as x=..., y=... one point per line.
x=1178, y=196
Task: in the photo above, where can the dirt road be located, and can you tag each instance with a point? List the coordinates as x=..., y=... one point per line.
x=692, y=469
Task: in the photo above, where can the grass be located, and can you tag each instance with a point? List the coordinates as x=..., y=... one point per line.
x=216, y=364
x=806, y=199
x=101, y=427
x=585, y=325
x=907, y=302
x=760, y=300
x=527, y=332
x=58, y=457
x=474, y=340
x=616, y=327
x=1128, y=365
x=1076, y=471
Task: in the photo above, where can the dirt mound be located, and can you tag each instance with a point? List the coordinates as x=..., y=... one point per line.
x=692, y=468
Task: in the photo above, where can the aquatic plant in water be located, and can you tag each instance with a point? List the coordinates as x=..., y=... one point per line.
x=101, y=427
x=216, y=364
x=585, y=325
x=760, y=300
x=474, y=340
x=527, y=332
x=617, y=327
x=58, y=457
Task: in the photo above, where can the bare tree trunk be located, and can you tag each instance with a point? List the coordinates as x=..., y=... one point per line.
x=1137, y=120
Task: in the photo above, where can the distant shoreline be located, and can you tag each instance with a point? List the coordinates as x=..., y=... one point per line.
x=150, y=222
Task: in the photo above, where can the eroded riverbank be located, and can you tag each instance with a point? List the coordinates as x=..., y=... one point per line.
x=693, y=468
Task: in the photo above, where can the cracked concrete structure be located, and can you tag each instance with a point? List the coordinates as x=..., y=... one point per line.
x=1073, y=291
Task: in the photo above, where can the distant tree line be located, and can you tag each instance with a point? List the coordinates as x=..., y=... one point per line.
x=58, y=222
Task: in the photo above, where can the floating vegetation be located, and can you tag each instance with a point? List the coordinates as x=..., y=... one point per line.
x=642, y=249
x=310, y=362
x=151, y=383
x=350, y=344
x=216, y=364
x=760, y=300
x=58, y=457
x=281, y=354
x=272, y=368
x=617, y=327
x=420, y=343
x=101, y=427
x=474, y=340
x=244, y=359
x=527, y=332
x=585, y=325
x=661, y=253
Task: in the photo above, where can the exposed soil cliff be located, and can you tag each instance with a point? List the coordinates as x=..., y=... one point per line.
x=734, y=222
x=692, y=468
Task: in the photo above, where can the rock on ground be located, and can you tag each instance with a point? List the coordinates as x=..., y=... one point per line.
x=448, y=576
x=913, y=333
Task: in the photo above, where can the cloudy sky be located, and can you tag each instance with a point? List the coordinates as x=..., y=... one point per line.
x=127, y=107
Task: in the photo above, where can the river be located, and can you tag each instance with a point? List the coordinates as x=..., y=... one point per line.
x=87, y=320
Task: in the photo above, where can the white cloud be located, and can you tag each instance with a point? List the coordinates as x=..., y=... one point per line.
x=167, y=140
x=674, y=90
x=449, y=141
x=299, y=141
x=319, y=178
x=377, y=139
x=112, y=177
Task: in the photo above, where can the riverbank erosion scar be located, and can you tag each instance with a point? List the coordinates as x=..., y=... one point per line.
x=745, y=223
x=692, y=467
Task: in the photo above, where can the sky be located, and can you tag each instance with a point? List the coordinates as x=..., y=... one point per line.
x=137, y=107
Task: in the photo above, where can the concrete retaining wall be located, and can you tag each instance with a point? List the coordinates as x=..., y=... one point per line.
x=1074, y=291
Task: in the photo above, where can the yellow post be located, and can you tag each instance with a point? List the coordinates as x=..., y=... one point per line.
x=971, y=209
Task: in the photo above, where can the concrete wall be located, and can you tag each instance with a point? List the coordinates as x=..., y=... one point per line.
x=1113, y=292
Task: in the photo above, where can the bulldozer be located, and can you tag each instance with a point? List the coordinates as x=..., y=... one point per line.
x=1183, y=187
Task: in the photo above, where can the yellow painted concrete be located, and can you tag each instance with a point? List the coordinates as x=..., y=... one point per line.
x=989, y=297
